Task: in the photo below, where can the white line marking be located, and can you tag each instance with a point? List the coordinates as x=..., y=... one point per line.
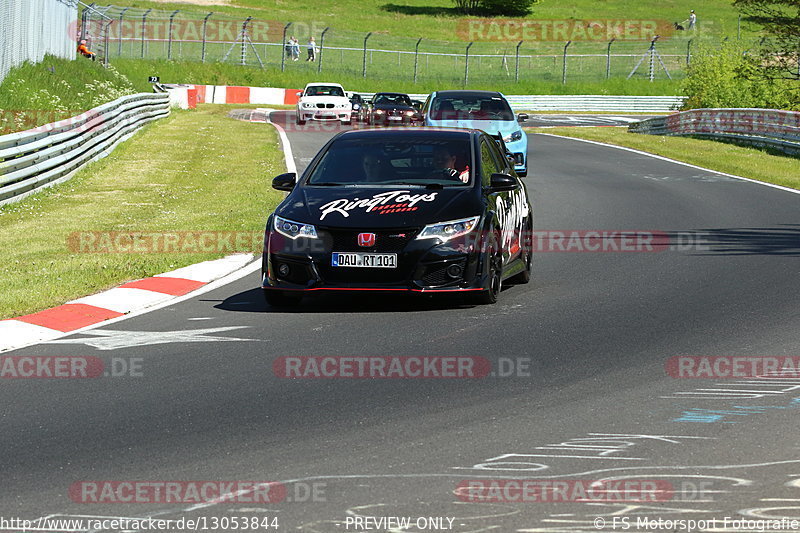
x=780, y=187
x=287, y=147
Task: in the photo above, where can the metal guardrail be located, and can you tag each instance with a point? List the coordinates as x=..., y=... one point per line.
x=584, y=102
x=50, y=154
x=761, y=127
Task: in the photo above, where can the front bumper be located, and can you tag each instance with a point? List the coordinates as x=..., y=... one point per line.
x=422, y=265
x=325, y=114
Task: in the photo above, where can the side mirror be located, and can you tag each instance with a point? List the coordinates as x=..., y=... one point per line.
x=299, y=94
x=285, y=182
x=522, y=117
x=502, y=182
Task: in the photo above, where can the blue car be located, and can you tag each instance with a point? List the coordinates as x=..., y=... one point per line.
x=484, y=110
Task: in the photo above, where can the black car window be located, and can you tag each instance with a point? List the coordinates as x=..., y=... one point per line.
x=324, y=90
x=471, y=108
x=488, y=163
x=396, y=99
x=409, y=161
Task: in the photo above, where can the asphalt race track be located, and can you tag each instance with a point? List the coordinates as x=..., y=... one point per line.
x=586, y=343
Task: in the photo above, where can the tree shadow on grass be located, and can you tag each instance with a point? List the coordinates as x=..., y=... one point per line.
x=423, y=10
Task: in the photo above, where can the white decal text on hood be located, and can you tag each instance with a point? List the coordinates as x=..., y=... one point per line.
x=343, y=205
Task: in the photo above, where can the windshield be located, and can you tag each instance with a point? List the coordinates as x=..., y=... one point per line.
x=406, y=162
x=324, y=90
x=396, y=99
x=471, y=108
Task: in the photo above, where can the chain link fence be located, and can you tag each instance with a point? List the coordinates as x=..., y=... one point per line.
x=30, y=29
x=213, y=37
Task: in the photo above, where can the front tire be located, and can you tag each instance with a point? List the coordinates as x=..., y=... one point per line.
x=495, y=275
x=299, y=120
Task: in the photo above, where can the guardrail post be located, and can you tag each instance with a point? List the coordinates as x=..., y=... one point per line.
x=169, y=38
x=516, y=63
x=283, y=47
x=321, y=46
x=205, y=28
x=121, y=19
x=144, y=28
x=416, y=58
x=689, y=52
x=466, y=64
x=364, y=67
x=564, y=68
x=608, y=57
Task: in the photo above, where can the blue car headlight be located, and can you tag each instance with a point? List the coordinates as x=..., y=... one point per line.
x=449, y=230
x=292, y=229
x=517, y=135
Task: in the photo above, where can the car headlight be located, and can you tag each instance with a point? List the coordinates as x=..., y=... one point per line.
x=411, y=113
x=379, y=111
x=356, y=107
x=307, y=105
x=517, y=135
x=292, y=229
x=448, y=230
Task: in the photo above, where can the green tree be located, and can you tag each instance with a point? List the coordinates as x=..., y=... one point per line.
x=780, y=50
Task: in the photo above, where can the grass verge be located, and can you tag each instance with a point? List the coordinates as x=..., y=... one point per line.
x=753, y=163
x=195, y=171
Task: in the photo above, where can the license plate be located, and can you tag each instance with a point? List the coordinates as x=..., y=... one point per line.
x=395, y=118
x=360, y=260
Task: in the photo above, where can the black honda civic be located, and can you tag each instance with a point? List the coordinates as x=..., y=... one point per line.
x=430, y=211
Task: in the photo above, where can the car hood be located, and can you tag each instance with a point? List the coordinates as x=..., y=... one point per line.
x=505, y=127
x=371, y=207
x=326, y=98
x=396, y=107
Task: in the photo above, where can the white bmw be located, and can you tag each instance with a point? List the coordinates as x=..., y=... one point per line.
x=323, y=101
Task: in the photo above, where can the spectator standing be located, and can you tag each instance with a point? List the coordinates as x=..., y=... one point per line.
x=692, y=20
x=295, y=49
x=312, y=49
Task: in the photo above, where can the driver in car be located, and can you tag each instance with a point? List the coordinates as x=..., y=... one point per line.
x=445, y=165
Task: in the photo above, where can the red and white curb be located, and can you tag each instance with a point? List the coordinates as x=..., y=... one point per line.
x=126, y=300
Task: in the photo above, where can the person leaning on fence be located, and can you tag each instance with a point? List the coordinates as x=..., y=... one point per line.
x=295, y=49
x=85, y=52
x=312, y=50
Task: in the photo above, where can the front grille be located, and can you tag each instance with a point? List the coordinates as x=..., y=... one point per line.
x=323, y=106
x=364, y=275
x=385, y=240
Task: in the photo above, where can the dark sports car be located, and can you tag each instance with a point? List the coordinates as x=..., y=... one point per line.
x=392, y=109
x=431, y=210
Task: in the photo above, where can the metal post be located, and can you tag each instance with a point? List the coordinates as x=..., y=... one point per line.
x=364, y=67
x=321, y=45
x=205, y=27
x=466, y=64
x=283, y=47
x=169, y=45
x=564, y=67
x=105, y=42
x=689, y=52
x=416, y=58
x=244, y=40
x=144, y=27
x=516, y=63
x=652, y=73
x=121, y=19
x=608, y=58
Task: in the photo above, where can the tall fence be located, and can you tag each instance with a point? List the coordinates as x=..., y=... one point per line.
x=29, y=29
x=214, y=37
x=761, y=127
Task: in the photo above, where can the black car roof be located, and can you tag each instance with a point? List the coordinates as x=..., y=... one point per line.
x=468, y=94
x=424, y=133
